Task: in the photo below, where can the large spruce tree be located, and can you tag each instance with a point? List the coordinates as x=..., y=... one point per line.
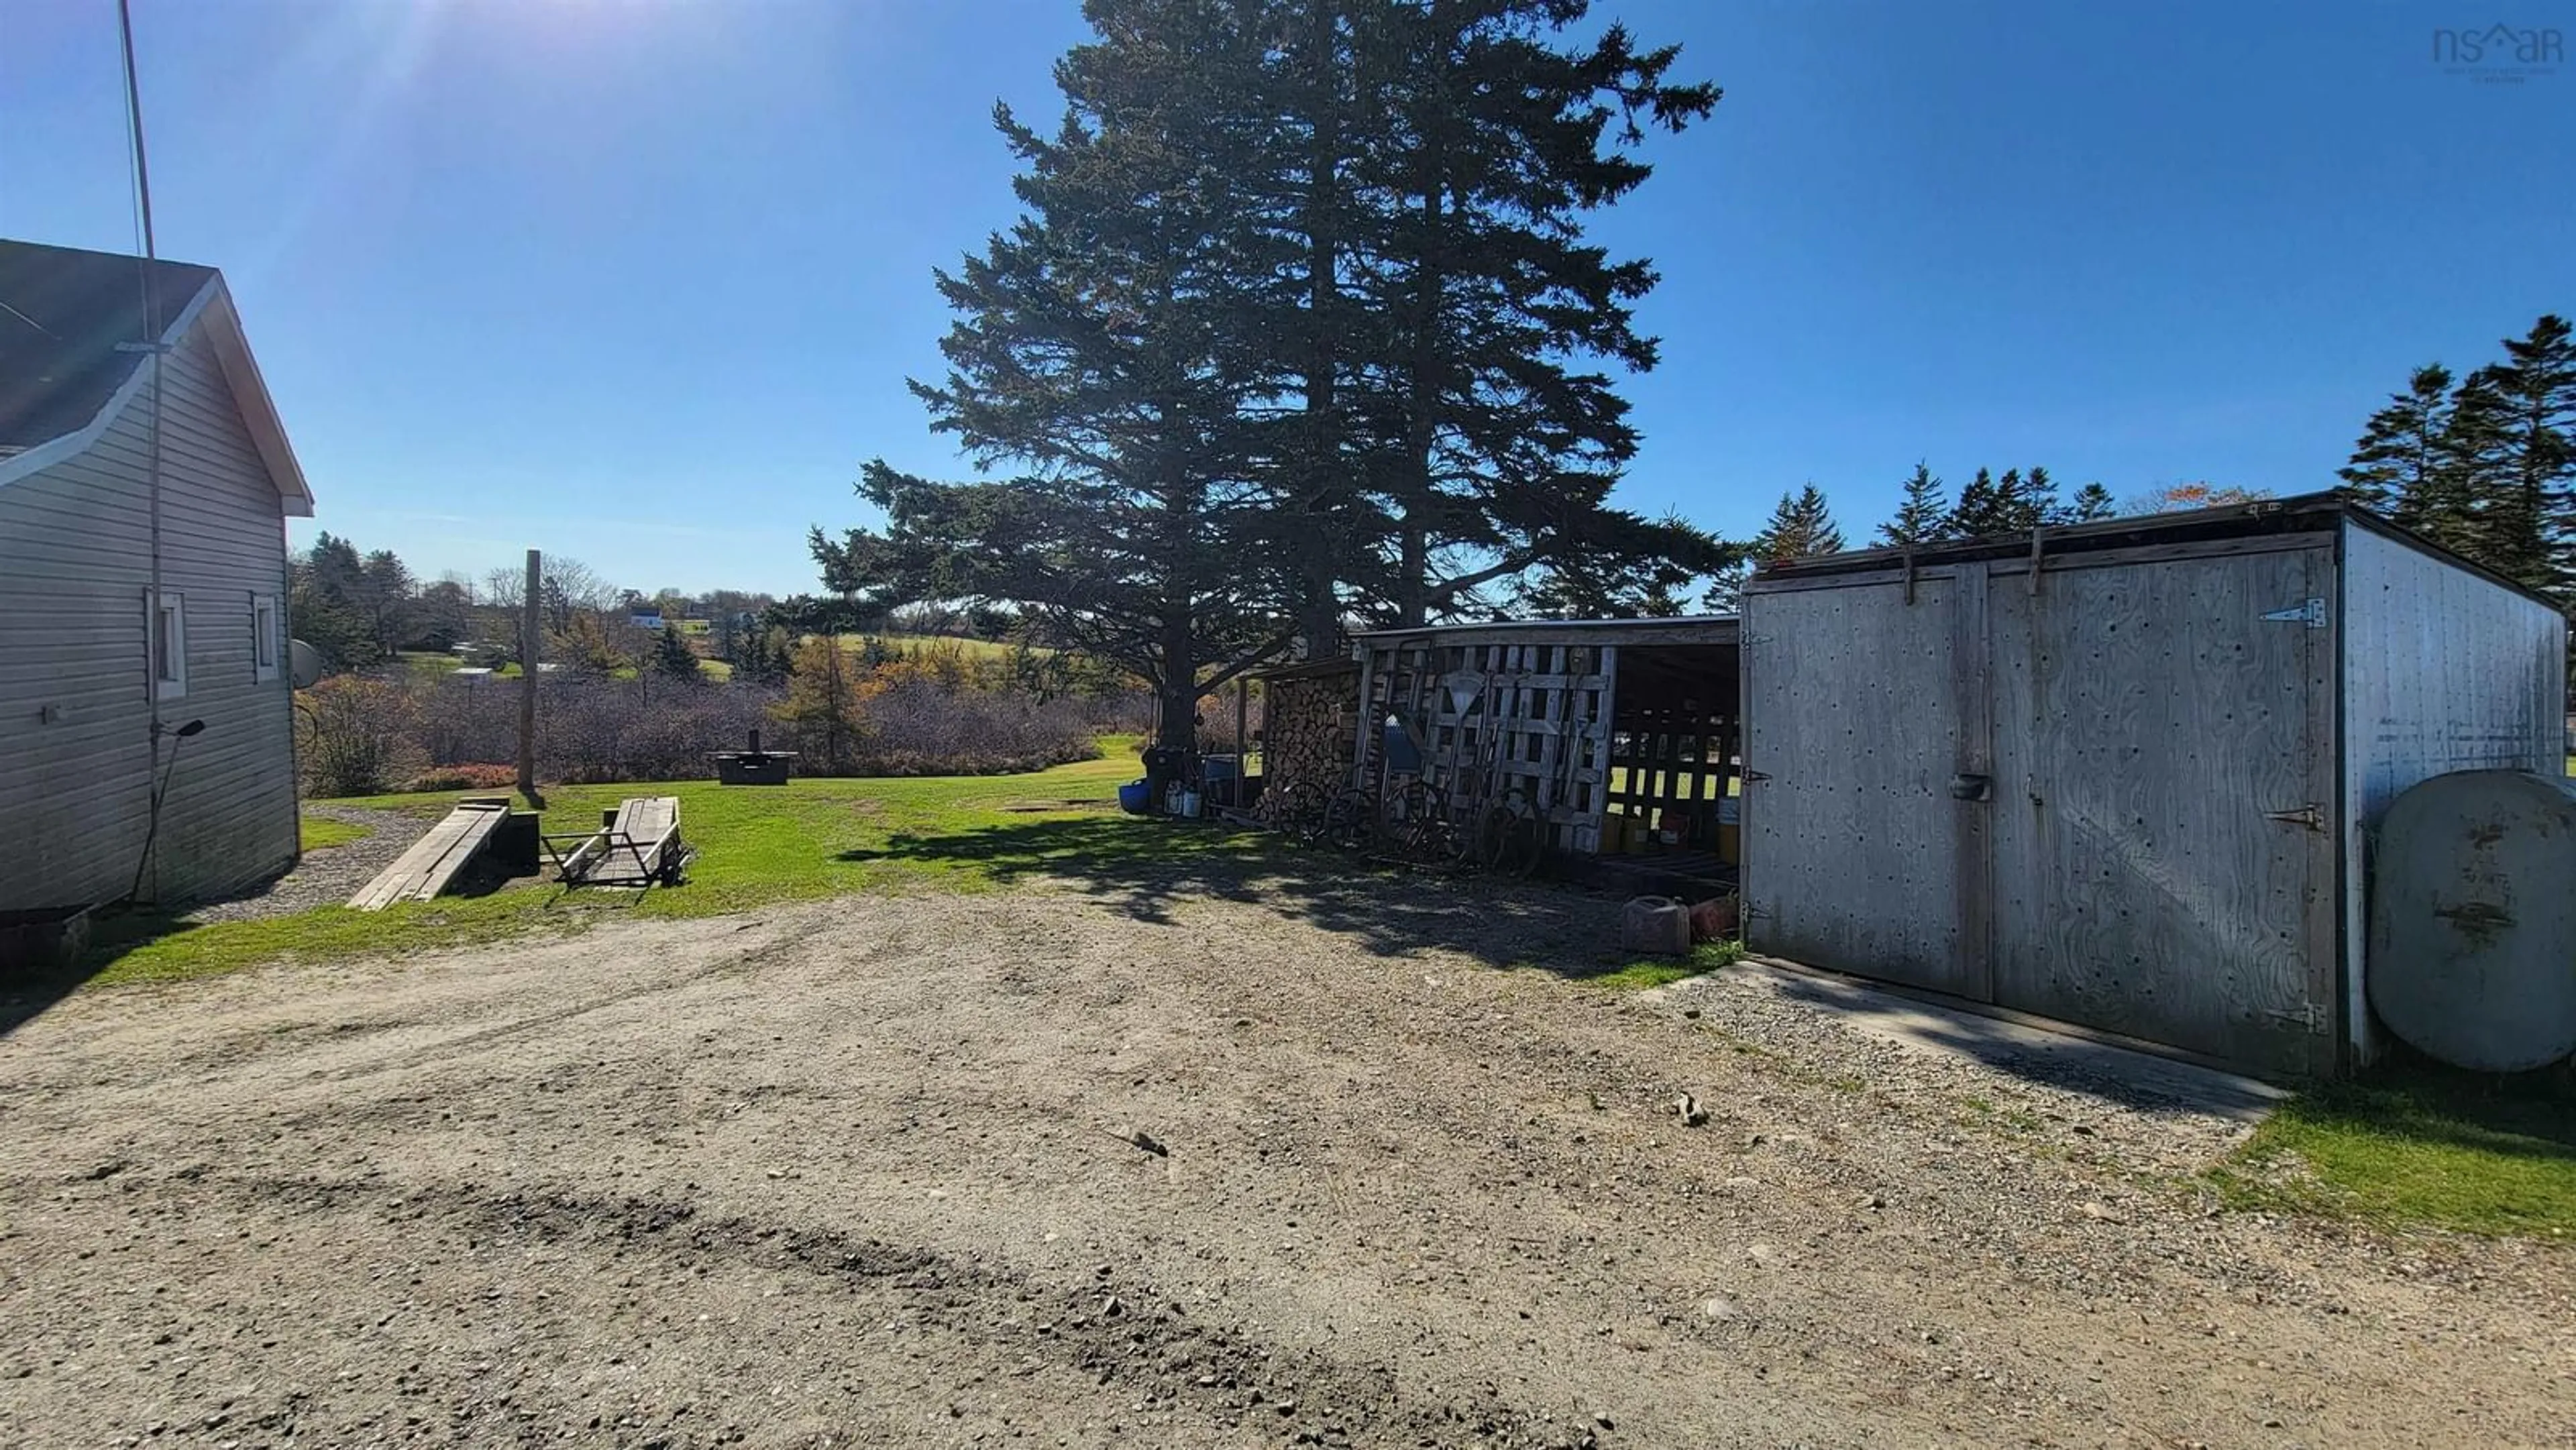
x=1497, y=433
x=2485, y=467
x=1098, y=354
x=2526, y=522
x=2395, y=466
x=1299, y=327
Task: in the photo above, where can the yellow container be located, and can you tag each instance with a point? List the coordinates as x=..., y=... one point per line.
x=1730, y=844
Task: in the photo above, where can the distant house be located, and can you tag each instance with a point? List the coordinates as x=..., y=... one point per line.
x=104, y=657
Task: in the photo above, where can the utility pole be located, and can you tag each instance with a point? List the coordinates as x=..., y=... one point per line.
x=530, y=637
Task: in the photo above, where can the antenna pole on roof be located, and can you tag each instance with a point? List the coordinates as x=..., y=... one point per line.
x=159, y=638
x=134, y=123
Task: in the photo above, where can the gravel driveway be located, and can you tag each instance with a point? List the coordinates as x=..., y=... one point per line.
x=864, y=1173
x=327, y=877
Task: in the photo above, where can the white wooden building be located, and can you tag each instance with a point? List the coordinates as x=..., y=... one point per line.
x=124, y=617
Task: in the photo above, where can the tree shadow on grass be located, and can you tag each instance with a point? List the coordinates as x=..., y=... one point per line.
x=2524, y=1115
x=1141, y=867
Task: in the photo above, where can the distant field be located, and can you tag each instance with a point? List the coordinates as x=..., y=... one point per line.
x=971, y=648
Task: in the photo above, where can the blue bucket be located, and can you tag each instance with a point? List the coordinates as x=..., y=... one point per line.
x=1134, y=796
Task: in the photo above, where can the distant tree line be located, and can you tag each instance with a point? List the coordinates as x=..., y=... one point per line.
x=364, y=609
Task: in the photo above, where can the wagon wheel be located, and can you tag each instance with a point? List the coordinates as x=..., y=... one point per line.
x=1350, y=820
x=1418, y=820
x=1417, y=801
x=1298, y=811
x=1508, y=841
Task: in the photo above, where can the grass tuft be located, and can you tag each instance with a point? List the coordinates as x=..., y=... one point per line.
x=321, y=833
x=2417, y=1148
x=1664, y=971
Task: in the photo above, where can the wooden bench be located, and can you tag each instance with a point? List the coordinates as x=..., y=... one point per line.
x=637, y=844
x=435, y=860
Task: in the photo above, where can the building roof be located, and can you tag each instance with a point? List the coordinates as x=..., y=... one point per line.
x=1678, y=629
x=2298, y=513
x=72, y=342
x=1324, y=668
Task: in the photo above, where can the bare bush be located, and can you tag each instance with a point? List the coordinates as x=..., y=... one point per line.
x=918, y=729
x=358, y=735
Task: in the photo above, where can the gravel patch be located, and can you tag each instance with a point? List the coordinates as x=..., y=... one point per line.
x=328, y=877
x=874, y=1171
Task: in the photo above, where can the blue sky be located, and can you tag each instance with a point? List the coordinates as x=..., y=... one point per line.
x=641, y=282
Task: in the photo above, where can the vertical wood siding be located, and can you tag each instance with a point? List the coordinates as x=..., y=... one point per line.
x=1853, y=727
x=75, y=564
x=2152, y=729
x=2084, y=800
x=2443, y=671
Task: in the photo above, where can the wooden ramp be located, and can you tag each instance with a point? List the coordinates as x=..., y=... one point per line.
x=638, y=844
x=434, y=860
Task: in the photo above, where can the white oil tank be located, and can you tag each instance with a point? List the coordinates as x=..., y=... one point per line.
x=2473, y=919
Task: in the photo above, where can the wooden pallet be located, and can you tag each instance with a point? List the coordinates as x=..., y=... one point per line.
x=434, y=861
x=638, y=844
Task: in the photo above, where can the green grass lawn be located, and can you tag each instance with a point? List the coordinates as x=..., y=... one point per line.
x=757, y=845
x=2418, y=1147
x=320, y=833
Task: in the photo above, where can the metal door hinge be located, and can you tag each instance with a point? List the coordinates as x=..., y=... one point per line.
x=2311, y=612
x=2312, y=1015
x=1757, y=775
x=2308, y=816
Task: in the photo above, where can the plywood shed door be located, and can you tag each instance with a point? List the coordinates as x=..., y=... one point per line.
x=2163, y=821
x=1861, y=709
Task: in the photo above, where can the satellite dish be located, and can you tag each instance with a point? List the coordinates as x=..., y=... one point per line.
x=303, y=663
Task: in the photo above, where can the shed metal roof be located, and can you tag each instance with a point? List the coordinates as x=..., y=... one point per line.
x=2298, y=513
x=1678, y=629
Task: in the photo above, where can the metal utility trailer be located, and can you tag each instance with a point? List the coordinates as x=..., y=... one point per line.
x=2121, y=774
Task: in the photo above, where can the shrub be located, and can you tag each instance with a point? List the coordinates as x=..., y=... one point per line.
x=918, y=729
x=358, y=735
x=465, y=777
